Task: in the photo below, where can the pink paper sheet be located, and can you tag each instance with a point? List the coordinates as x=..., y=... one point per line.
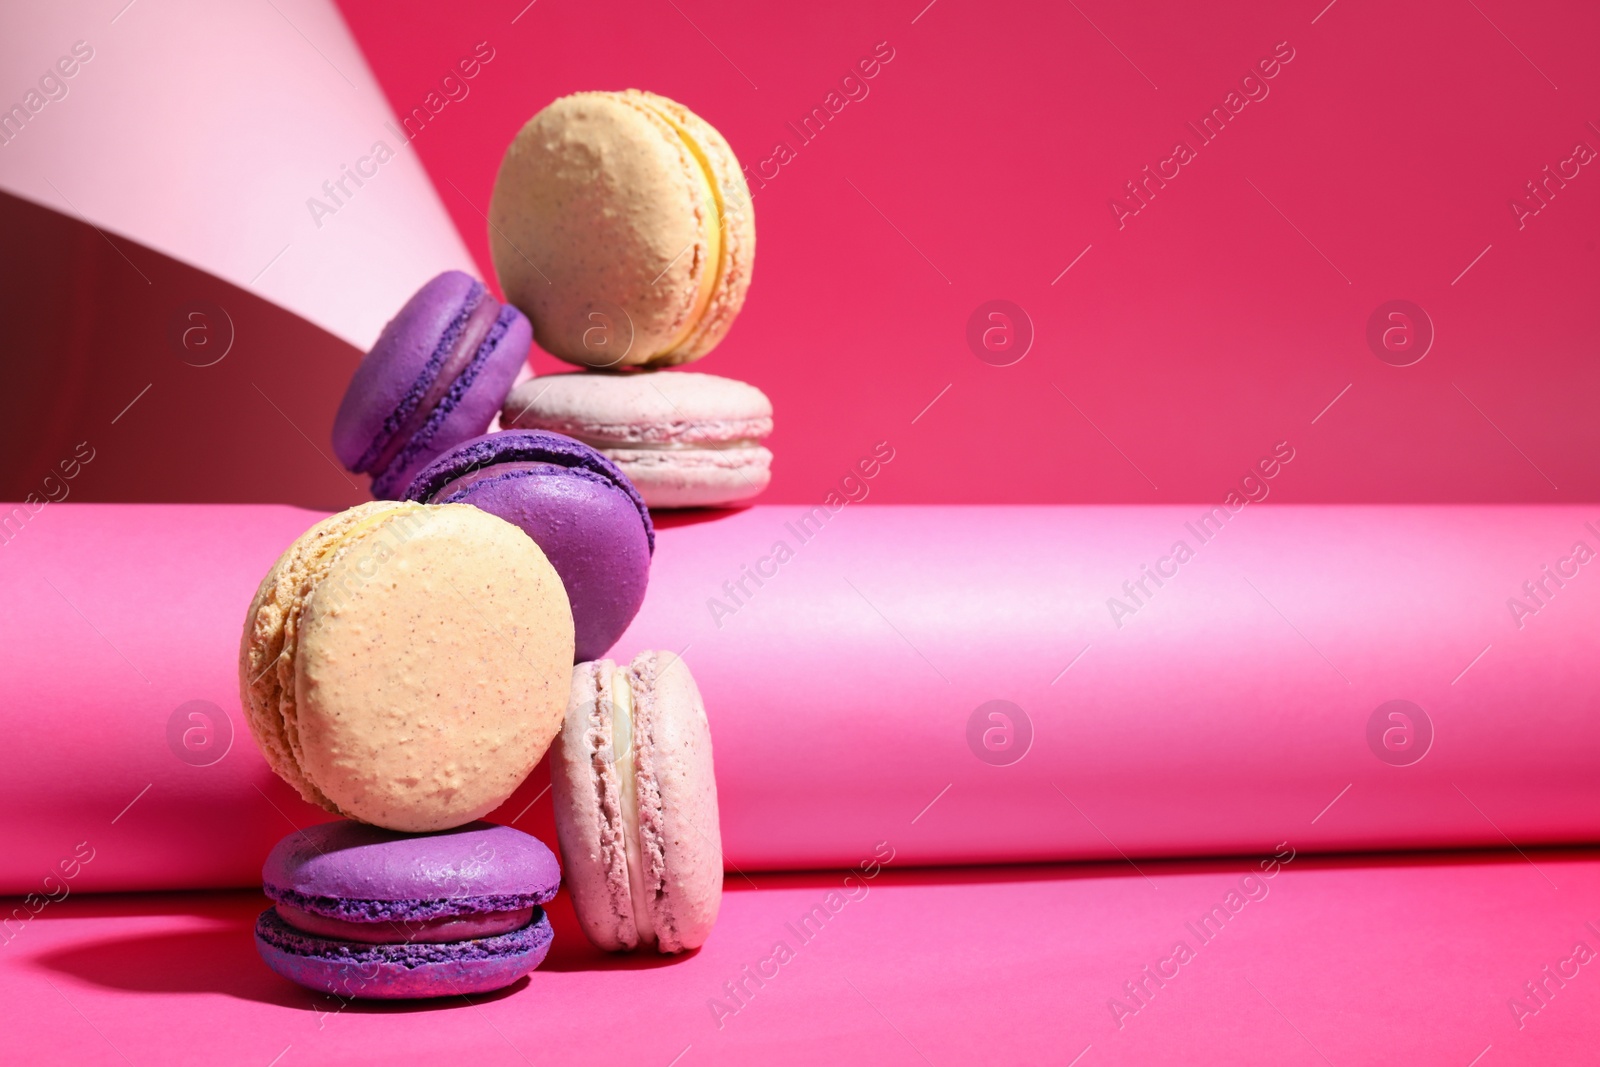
x=232, y=85
x=1343, y=960
x=1228, y=712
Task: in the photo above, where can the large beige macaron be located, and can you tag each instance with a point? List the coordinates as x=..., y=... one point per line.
x=622, y=227
x=407, y=664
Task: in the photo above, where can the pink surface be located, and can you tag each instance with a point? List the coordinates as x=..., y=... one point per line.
x=1231, y=710
x=1350, y=961
x=981, y=162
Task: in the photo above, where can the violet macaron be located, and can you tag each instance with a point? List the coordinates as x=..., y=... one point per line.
x=364, y=912
x=436, y=376
x=576, y=506
x=636, y=805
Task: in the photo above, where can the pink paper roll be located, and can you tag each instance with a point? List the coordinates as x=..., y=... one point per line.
x=1240, y=697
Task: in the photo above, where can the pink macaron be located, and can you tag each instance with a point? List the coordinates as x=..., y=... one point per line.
x=684, y=439
x=636, y=805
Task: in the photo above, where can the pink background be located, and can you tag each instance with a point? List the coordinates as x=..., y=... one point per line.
x=1197, y=336
x=1206, y=330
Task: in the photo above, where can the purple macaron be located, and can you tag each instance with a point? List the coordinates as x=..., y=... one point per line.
x=438, y=375
x=360, y=911
x=575, y=504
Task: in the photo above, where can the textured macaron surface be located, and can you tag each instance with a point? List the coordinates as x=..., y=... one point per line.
x=524, y=446
x=407, y=401
x=406, y=664
x=679, y=829
x=361, y=873
x=586, y=792
x=397, y=367
x=672, y=867
x=696, y=478
x=586, y=516
x=636, y=213
x=666, y=408
x=684, y=439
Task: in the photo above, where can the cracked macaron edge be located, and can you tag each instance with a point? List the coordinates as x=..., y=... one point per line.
x=269, y=641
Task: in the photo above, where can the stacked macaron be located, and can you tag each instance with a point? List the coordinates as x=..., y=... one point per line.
x=359, y=911
x=402, y=665
x=623, y=236
x=406, y=664
x=621, y=224
x=627, y=201
x=684, y=439
x=579, y=508
x=438, y=374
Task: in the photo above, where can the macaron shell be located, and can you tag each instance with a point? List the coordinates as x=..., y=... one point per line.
x=580, y=509
x=597, y=202
x=426, y=700
x=517, y=445
x=695, y=478
x=600, y=206
x=397, y=365
x=470, y=406
x=738, y=251
x=360, y=873
x=591, y=534
x=404, y=362
x=669, y=407
x=267, y=644
x=679, y=827
x=586, y=793
x=406, y=664
x=349, y=969
x=665, y=414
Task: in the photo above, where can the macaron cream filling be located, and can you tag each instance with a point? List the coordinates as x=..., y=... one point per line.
x=623, y=749
x=403, y=932
x=711, y=274
x=667, y=446
x=457, y=358
x=483, y=474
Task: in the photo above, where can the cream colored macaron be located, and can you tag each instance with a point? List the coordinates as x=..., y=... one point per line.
x=621, y=225
x=407, y=664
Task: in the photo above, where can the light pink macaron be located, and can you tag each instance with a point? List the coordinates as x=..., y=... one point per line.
x=684, y=439
x=636, y=805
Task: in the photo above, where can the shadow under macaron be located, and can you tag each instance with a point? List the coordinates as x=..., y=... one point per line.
x=218, y=957
x=668, y=518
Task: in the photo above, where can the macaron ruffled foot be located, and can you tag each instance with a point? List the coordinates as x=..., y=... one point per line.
x=436, y=376
x=684, y=439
